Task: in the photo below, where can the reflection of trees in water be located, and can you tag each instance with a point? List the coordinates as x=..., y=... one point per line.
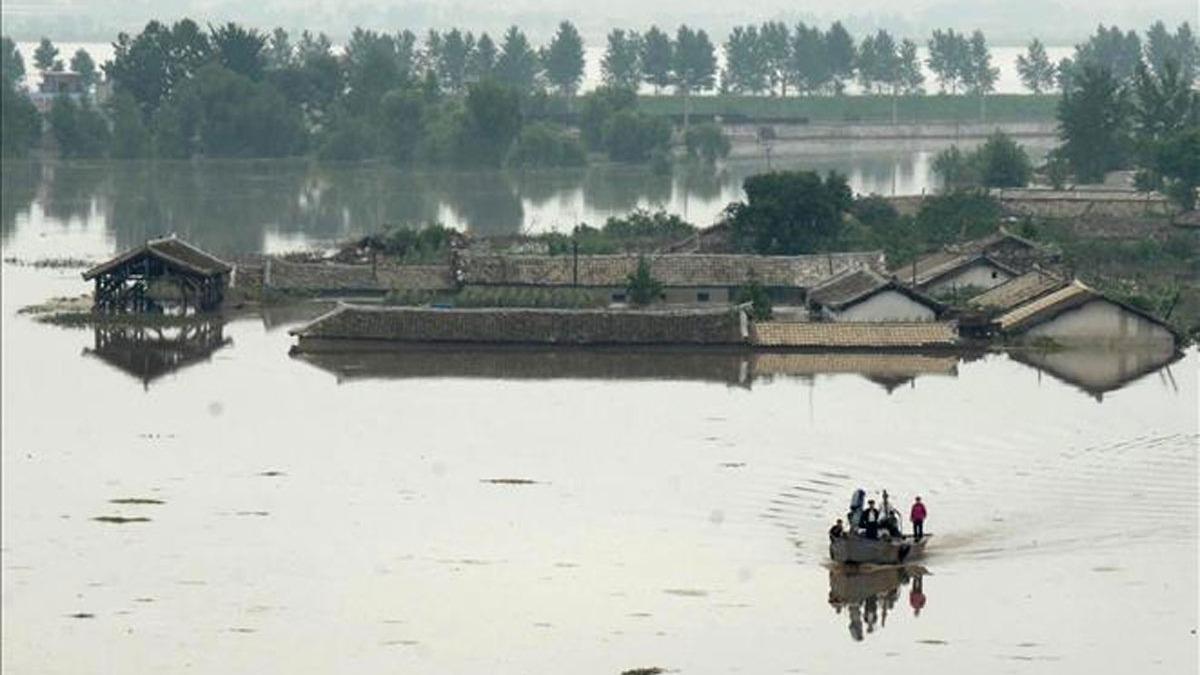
x=622, y=188
x=701, y=180
x=869, y=596
x=485, y=201
x=150, y=352
x=542, y=185
x=69, y=189
x=19, y=183
x=339, y=199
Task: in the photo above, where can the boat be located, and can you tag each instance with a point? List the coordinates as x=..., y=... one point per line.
x=887, y=547
x=857, y=549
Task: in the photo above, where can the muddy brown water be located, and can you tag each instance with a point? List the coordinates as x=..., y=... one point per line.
x=491, y=511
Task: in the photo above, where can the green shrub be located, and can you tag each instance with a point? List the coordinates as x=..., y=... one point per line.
x=642, y=288
x=707, y=141
x=542, y=144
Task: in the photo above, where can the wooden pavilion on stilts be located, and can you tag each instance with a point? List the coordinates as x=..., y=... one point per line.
x=161, y=273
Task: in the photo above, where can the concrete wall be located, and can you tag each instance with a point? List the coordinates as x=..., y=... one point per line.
x=527, y=326
x=886, y=306
x=979, y=274
x=1100, y=322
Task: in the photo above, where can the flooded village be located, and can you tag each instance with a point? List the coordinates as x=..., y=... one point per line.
x=414, y=350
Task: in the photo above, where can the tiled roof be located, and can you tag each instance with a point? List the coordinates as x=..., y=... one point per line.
x=853, y=334
x=335, y=277
x=1046, y=307
x=877, y=364
x=171, y=249
x=688, y=270
x=1017, y=291
x=930, y=268
x=846, y=287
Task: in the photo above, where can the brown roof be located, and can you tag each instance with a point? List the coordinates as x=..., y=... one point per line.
x=170, y=249
x=853, y=334
x=854, y=285
x=930, y=268
x=1047, y=307
x=1018, y=291
x=877, y=364
x=335, y=277
x=689, y=269
x=984, y=244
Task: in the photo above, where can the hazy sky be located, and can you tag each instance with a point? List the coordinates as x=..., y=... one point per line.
x=1004, y=21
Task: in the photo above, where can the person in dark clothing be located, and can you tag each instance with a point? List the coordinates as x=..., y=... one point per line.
x=870, y=520
x=837, y=531
x=918, y=519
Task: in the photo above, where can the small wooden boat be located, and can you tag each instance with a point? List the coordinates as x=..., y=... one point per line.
x=893, y=551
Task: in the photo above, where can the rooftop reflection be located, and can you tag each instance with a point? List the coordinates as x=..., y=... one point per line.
x=151, y=352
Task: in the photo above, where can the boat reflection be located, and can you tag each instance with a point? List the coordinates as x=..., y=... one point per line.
x=869, y=595
x=150, y=352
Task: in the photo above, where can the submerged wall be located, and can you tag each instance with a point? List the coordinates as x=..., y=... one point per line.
x=1101, y=322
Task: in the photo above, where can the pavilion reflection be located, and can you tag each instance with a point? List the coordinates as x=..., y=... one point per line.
x=869, y=596
x=151, y=352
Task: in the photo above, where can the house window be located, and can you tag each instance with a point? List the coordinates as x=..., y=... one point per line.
x=702, y=297
x=618, y=297
x=995, y=274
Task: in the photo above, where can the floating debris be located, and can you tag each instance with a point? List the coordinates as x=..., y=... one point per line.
x=136, y=500
x=733, y=465
x=82, y=615
x=933, y=642
x=653, y=670
x=243, y=630
x=272, y=473
x=253, y=513
x=121, y=520
x=686, y=592
x=509, y=481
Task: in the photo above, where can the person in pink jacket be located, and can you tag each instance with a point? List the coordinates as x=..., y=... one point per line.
x=917, y=516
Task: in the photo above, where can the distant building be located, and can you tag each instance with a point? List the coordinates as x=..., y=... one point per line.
x=979, y=264
x=687, y=279
x=866, y=295
x=58, y=84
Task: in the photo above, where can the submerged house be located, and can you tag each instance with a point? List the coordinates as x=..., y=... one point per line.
x=1078, y=315
x=159, y=274
x=979, y=264
x=691, y=278
x=1017, y=291
x=866, y=295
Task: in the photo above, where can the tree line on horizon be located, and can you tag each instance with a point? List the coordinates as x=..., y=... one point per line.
x=180, y=90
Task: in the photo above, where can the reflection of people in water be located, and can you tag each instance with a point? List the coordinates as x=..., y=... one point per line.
x=916, y=596
x=870, y=595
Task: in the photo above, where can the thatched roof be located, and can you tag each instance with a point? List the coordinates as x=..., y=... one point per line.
x=171, y=250
x=840, y=334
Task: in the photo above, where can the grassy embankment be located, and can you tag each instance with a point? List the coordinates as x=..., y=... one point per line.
x=961, y=109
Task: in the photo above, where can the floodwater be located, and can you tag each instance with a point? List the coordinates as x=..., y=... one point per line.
x=201, y=501
x=269, y=206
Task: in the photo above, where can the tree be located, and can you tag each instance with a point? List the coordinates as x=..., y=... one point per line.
x=20, y=123
x=12, y=66
x=789, y=212
x=152, y=65
x=452, y=62
x=633, y=136
x=82, y=63
x=775, y=46
x=1002, y=163
x=493, y=120
x=1161, y=48
x=708, y=142
x=598, y=107
x=840, y=56
x=757, y=296
x=693, y=65
x=376, y=63
x=1176, y=161
x=563, y=59
x=981, y=75
x=1093, y=118
x=238, y=117
x=239, y=49
x=879, y=64
x=279, y=53
x=745, y=64
x=1164, y=103
x=45, y=55
x=657, y=58
x=130, y=137
x=542, y=144
x=482, y=62
x=621, y=65
x=912, y=79
x=1035, y=68
x=79, y=129
x=949, y=58
x=1108, y=49
x=517, y=65
x=641, y=286
x=403, y=123
x=313, y=80
x=809, y=68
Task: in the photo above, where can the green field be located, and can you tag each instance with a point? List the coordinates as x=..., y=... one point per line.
x=840, y=109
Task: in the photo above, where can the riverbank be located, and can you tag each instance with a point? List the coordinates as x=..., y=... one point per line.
x=933, y=108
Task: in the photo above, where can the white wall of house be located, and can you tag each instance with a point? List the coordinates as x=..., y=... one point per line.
x=1099, y=322
x=979, y=274
x=888, y=305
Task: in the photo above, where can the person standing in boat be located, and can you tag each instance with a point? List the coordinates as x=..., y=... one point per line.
x=918, y=518
x=870, y=520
